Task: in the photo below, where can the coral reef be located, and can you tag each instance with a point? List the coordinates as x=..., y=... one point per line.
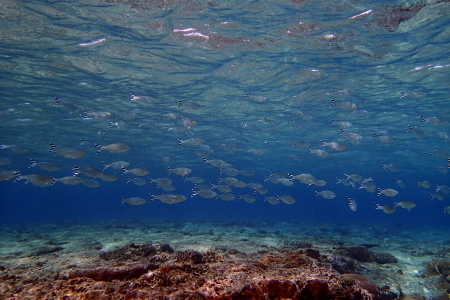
x=147, y=272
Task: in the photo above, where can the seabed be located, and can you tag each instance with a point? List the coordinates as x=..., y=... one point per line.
x=216, y=259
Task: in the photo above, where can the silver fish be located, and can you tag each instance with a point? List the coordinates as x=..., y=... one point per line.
x=134, y=201
x=227, y=196
x=67, y=151
x=388, y=192
x=385, y=208
x=287, y=199
x=170, y=198
x=352, y=204
x=326, y=194
x=48, y=166
x=405, y=204
x=247, y=198
x=113, y=148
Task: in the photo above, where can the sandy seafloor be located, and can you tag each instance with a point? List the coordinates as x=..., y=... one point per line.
x=49, y=250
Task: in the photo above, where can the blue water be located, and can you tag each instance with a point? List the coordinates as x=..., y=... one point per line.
x=251, y=66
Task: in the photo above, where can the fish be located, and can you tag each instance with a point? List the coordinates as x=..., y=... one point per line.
x=247, y=198
x=319, y=182
x=369, y=186
x=385, y=208
x=161, y=181
x=400, y=183
x=346, y=105
x=391, y=167
x=405, y=204
x=447, y=210
x=70, y=180
x=256, y=151
x=440, y=153
x=67, y=151
x=230, y=171
x=136, y=181
x=134, y=201
x=97, y=114
x=136, y=171
x=319, y=152
x=285, y=181
x=189, y=123
x=443, y=188
x=272, y=200
x=345, y=181
x=262, y=191
x=304, y=178
x=113, y=148
x=354, y=177
x=425, y=184
x=342, y=124
x=38, y=179
x=15, y=148
x=352, y=204
x=89, y=171
x=388, y=192
x=191, y=142
x=141, y=99
x=108, y=177
x=442, y=170
x=5, y=161
x=247, y=173
x=8, y=174
x=223, y=188
x=434, y=120
x=167, y=188
x=326, y=194
x=204, y=193
x=228, y=147
x=442, y=135
x=216, y=163
x=227, y=196
x=170, y=198
x=180, y=171
x=195, y=179
x=118, y=165
x=238, y=183
x=72, y=108
x=334, y=145
x=439, y=195
x=301, y=144
x=90, y=182
x=384, y=139
x=256, y=98
x=48, y=166
x=189, y=105
x=287, y=199
x=416, y=131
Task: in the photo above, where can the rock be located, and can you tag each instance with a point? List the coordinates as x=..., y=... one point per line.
x=364, y=283
x=187, y=295
x=360, y=253
x=166, y=248
x=109, y=274
x=275, y=288
x=129, y=252
x=312, y=253
x=342, y=264
x=46, y=250
x=383, y=258
x=316, y=289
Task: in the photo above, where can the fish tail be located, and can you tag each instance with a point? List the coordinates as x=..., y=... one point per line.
x=32, y=163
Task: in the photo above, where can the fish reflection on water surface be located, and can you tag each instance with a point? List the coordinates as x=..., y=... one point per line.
x=236, y=110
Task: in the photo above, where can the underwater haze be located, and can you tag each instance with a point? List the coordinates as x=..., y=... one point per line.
x=328, y=112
